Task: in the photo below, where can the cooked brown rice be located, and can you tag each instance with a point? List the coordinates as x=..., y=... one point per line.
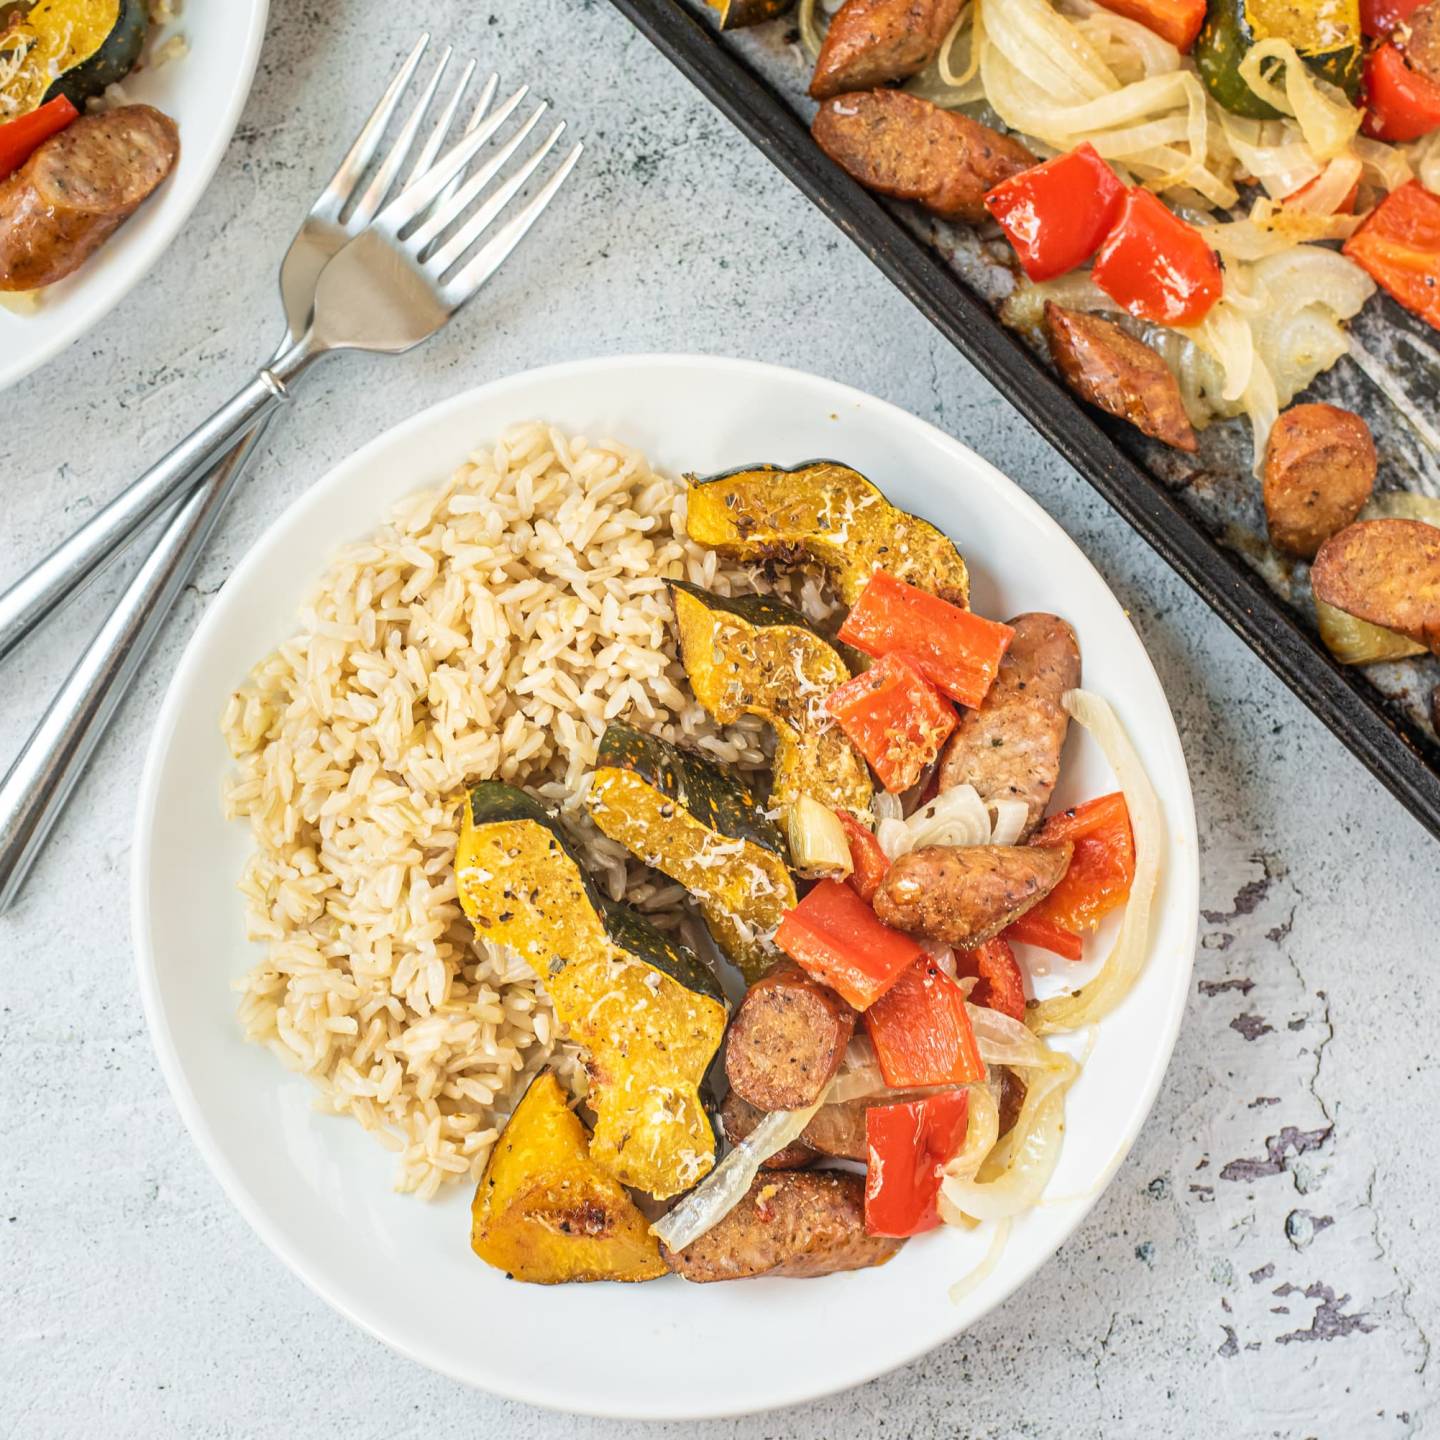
x=491, y=629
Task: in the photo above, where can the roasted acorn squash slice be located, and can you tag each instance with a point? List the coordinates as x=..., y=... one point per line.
x=648, y=1014
x=823, y=514
x=68, y=47
x=544, y=1211
x=700, y=825
x=755, y=656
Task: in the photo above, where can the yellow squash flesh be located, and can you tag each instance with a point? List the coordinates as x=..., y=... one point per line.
x=545, y=1212
x=648, y=1036
x=741, y=888
x=782, y=673
x=827, y=515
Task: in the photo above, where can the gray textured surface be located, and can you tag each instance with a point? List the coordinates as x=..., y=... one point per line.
x=1264, y=1262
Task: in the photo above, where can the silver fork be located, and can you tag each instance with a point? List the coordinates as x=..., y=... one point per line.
x=35, y=789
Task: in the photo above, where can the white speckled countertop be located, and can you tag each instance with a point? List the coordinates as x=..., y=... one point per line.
x=1259, y=1265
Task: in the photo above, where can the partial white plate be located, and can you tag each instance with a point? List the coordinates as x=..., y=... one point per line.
x=317, y=1188
x=204, y=94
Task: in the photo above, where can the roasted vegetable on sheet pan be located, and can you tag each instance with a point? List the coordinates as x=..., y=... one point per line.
x=545, y=1212
x=699, y=824
x=756, y=656
x=648, y=1014
x=826, y=515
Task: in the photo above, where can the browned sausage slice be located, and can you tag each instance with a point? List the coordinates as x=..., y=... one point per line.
x=1117, y=372
x=787, y=1039
x=871, y=42
x=1422, y=44
x=966, y=895
x=77, y=189
x=1319, y=472
x=906, y=147
x=834, y=1130
x=738, y=1118
x=1009, y=748
x=1386, y=572
x=798, y=1223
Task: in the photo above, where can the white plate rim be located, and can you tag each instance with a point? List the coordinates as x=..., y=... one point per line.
x=1185, y=869
x=158, y=237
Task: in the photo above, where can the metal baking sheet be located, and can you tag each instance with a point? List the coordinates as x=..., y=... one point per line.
x=1202, y=513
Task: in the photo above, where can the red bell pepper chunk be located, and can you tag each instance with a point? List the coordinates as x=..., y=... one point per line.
x=1379, y=17
x=834, y=936
x=1399, y=245
x=22, y=137
x=1400, y=103
x=1177, y=21
x=867, y=860
x=1001, y=984
x=955, y=649
x=1156, y=266
x=921, y=1032
x=1055, y=215
x=1032, y=929
x=897, y=719
x=1102, y=869
x=908, y=1146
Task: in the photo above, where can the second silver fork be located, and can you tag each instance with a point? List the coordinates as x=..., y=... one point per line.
x=36, y=787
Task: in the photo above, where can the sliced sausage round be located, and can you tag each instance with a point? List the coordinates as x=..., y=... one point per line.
x=1122, y=375
x=77, y=189
x=1319, y=472
x=871, y=42
x=798, y=1223
x=787, y=1039
x=967, y=894
x=905, y=147
x=1009, y=748
x=738, y=1118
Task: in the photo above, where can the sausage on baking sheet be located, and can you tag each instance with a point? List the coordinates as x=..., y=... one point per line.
x=77, y=189
x=1386, y=572
x=1009, y=748
x=1422, y=44
x=1319, y=471
x=799, y=1223
x=905, y=147
x=871, y=42
x=787, y=1039
x=967, y=894
x=1103, y=364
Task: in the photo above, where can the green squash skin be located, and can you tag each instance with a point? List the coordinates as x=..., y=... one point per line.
x=1226, y=39
x=494, y=802
x=756, y=609
x=111, y=63
x=718, y=800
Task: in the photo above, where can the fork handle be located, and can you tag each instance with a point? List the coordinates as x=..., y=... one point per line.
x=37, y=786
x=67, y=569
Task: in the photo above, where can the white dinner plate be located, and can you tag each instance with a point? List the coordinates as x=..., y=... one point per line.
x=317, y=1188
x=204, y=94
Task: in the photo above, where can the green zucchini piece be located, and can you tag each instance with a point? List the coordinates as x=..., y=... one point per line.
x=751, y=655
x=647, y=1013
x=73, y=48
x=701, y=825
x=1325, y=34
